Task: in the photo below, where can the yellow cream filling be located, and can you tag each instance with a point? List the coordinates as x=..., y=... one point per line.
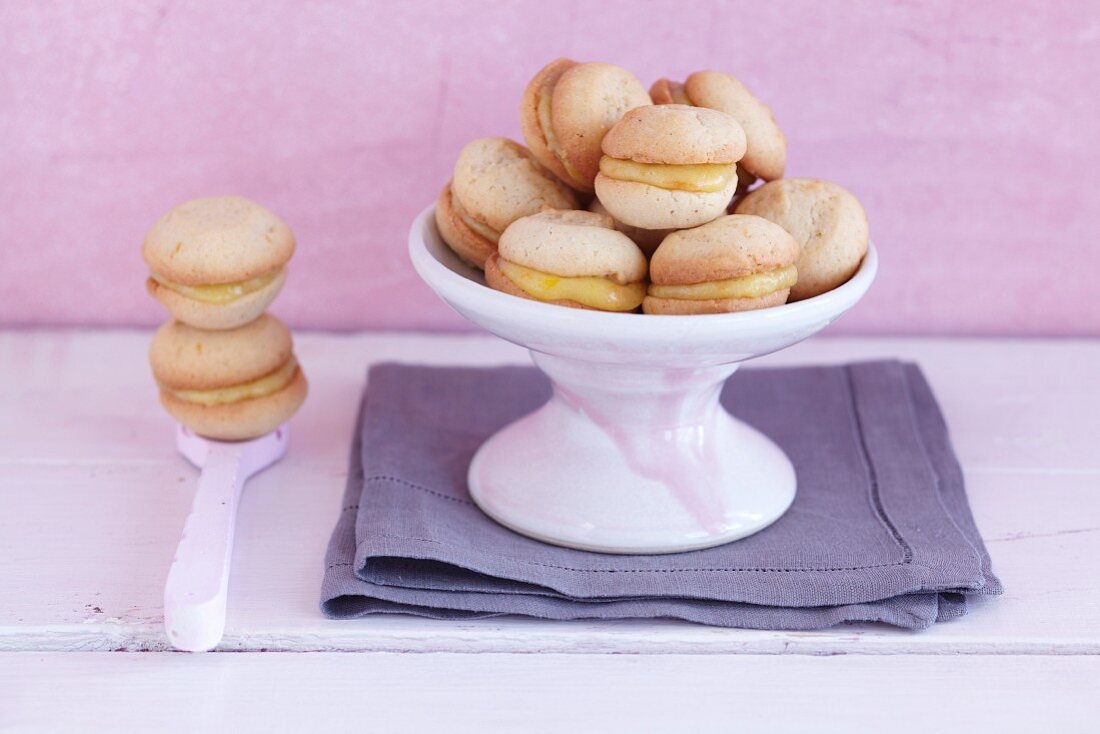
x=552, y=142
x=220, y=293
x=266, y=385
x=698, y=177
x=601, y=293
x=748, y=286
x=482, y=229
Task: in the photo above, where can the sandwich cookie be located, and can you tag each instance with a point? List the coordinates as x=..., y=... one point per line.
x=646, y=239
x=496, y=181
x=735, y=263
x=670, y=166
x=766, y=155
x=217, y=263
x=567, y=109
x=232, y=384
x=569, y=258
x=826, y=220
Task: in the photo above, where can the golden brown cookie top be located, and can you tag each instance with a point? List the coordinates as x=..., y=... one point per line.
x=766, y=155
x=813, y=210
x=497, y=181
x=573, y=244
x=676, y=134
x=223, y=239
x=186, y=358
x=731, y=246
x=827, y=221
x=567, y=109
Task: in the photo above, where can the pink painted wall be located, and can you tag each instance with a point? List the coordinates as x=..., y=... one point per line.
x=968, y=129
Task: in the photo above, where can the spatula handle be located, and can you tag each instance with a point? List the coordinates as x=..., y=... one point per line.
x=198, y=581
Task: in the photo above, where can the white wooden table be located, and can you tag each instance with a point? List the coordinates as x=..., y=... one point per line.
x=93, y=498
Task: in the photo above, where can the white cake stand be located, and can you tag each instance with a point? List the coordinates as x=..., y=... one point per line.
x=633, y=453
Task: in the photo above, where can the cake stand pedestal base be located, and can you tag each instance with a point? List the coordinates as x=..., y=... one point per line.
x=632, y=460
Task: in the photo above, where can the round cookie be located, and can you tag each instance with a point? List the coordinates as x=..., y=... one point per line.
x=569, y=258
x=646, y=239
x=471, y=247
x=666, y=91
x=670, y=166
x=734, y=263
x=826, y=220
x=231, y=384
x=766, y=156
x=496, y=181
x=217, y=263
x=567, y=109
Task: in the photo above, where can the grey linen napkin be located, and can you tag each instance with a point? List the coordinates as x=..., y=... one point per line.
x=880, y=529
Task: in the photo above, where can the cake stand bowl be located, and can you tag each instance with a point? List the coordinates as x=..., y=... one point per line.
x=633, y=453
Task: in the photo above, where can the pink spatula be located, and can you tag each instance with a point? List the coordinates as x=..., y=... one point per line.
x=198, y=581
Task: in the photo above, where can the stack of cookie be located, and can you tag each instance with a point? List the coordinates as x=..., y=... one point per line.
x=225, y=368
x=673, y=224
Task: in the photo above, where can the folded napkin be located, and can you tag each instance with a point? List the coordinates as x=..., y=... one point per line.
x=880, y=529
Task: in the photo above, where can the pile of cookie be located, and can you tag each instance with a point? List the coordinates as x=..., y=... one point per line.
x=225, y=368
x=671, y=201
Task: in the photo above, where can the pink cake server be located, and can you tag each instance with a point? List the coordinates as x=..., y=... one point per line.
x=198, y=581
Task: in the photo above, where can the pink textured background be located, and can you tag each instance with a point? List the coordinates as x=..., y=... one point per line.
x=967, y=129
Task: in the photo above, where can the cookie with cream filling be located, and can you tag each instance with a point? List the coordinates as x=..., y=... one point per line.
x=566, y=110
x=496, y=181
x=569, y=258
x=826, y=220
x=670, y=166
x=230, y=384
x=734, y=263
x=217, y=263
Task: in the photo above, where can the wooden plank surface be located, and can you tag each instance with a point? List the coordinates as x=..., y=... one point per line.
x=384, y=692
x=93, y=498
